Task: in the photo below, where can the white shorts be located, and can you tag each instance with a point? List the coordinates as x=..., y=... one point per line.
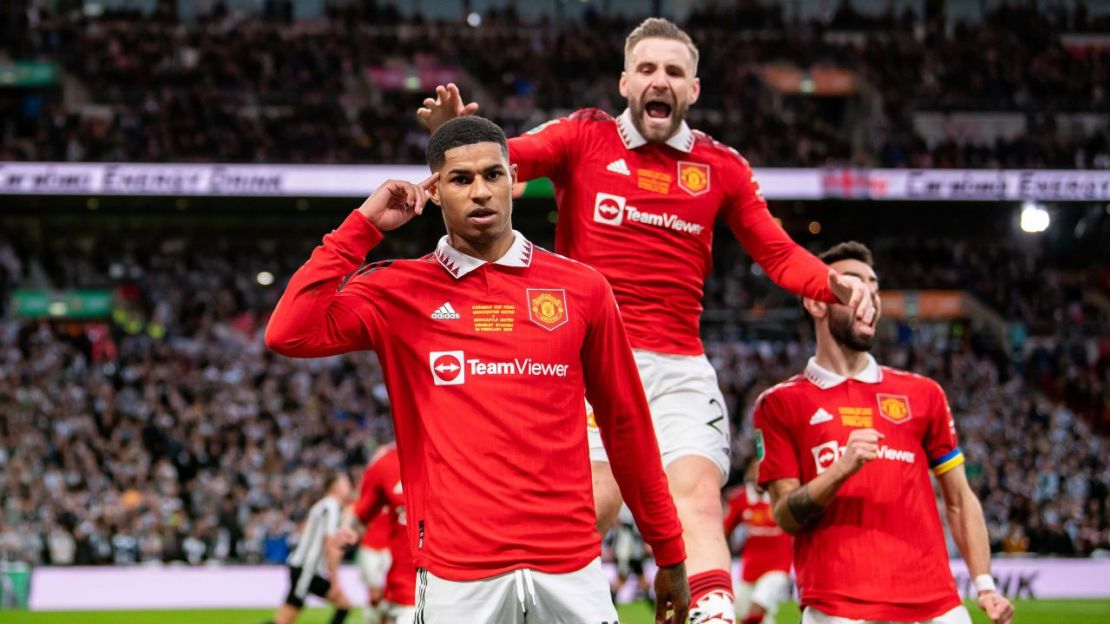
x=373, y=565
x=397, y=614
x=959, y=615
x=687, y=408
x=768, y=591
x=517, y=597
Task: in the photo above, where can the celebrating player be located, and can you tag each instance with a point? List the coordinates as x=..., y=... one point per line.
x=767, y=554
x=846, y=449
x=375, y=558
x=638, y=197
x=488, y=346
x=314, y=565
x=382, y=495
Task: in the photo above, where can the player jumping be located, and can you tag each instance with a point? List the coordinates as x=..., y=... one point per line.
x=846, y=451
x=638, y=198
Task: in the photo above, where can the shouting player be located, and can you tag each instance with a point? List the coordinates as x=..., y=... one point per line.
x=379, y=537
x=382, y=496
x=846, y=451
x=638, y=199
x=489, y=346
x=314, y=565
x=767, y=552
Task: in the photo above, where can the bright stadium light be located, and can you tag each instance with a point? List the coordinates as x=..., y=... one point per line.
x=1034, y=218
x=474, y=20
x=265, y=278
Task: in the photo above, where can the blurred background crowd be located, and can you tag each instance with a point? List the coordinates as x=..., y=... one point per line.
x=167, y=433
x=844, y=87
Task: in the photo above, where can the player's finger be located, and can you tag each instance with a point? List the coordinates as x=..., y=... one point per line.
x=470, y=108
x=441, y=93
x=453, y=91
x=429, y=102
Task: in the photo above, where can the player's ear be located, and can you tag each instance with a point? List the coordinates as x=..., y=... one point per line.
x=513, y=174
x=695, y=90
x=433, y=193
x=816, y=309
x=624, y=84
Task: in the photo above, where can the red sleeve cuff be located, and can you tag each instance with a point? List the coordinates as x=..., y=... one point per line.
x=669, y=552
x=356, y=236
x=826, y=295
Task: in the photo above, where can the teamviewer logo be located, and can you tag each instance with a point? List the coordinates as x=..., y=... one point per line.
x=447, y=367
x=609, y=209
x=825, y=455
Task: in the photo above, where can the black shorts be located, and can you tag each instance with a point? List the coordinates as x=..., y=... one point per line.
x=318, y=585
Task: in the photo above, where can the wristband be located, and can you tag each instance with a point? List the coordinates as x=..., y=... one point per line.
x=984, y=583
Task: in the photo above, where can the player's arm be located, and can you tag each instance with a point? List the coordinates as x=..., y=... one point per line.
x=733, y=514
x=541, y=152
x=314, y=319
x=614, y=389
x=969, y=529
x=961, y=506
x=786, y=262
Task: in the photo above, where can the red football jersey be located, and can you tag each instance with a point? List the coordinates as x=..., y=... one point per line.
x=383, y=496
x=878, y=552
x=643, y=214
x=379, y=529
x=767, y=547
x=487, y=365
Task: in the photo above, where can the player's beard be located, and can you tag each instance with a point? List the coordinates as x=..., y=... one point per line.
x=842, y=321
x=678, y=115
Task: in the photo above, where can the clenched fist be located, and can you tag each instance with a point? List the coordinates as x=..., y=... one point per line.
x=862, y=447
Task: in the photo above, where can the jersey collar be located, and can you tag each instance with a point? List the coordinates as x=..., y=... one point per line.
x=459, y=264
x=824, y=378
x=683, y=140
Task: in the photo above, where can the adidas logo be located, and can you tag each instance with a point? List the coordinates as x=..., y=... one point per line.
x=619, y=166
x=446, y=313
x=820, y=416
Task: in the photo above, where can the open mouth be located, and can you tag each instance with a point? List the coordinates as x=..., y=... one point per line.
x=657, y=110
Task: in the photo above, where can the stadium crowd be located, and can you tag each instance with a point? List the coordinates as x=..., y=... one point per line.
x=169, y=433
x=343, y=88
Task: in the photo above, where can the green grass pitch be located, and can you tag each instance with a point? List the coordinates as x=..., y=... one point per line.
x=1028, y=612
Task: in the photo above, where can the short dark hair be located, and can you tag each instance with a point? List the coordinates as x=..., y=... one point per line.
x=331, y=478
x=462, y=131
x=848, y=250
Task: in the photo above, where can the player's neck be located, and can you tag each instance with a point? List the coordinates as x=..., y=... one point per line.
x=490, y=251
x=834, y=357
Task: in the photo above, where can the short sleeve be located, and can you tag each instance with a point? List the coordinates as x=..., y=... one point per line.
x=776, y=448
x=940, y=442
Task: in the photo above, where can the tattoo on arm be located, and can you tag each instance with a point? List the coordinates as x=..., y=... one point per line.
x=805, y=510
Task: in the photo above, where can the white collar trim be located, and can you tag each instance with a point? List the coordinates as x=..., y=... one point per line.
x=824, y=378
x=683, y=140
x=459, y=264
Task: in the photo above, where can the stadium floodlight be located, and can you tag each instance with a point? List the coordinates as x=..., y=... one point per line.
x=265, y=278
x=1034, y=218
x=474, y=19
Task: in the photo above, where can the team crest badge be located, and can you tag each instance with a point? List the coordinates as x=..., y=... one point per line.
x=894, y=407
x=547, y=307
x=693, y=177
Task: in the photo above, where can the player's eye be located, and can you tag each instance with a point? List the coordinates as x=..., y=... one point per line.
x=460, y=180
x=493, y=175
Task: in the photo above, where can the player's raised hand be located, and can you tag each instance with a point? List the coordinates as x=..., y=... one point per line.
x=447, y=105
x=672, y=593
x=862, y=447
x=997, y=608
x=395, y=202
x=852, y=292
